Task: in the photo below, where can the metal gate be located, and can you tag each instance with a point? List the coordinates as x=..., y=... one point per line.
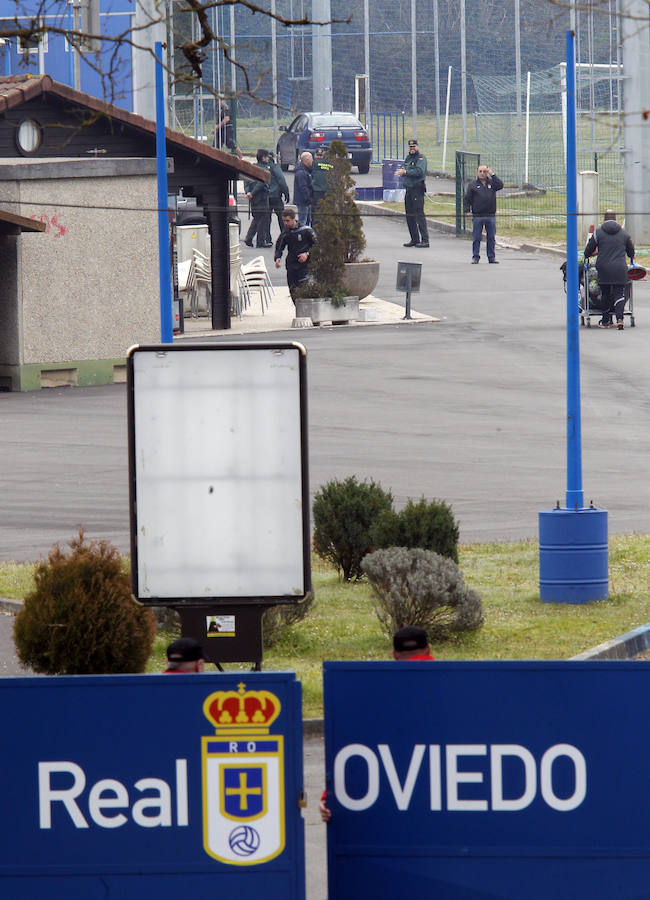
x=466, y=166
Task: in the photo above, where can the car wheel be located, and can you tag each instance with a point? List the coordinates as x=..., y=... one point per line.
x=363, y=168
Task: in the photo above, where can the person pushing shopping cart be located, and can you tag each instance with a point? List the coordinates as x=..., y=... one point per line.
x=612, y=244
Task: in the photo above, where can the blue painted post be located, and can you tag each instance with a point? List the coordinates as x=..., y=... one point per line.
x=574, y=494
x=166, y=321
x=71, y=52
x=573, y=550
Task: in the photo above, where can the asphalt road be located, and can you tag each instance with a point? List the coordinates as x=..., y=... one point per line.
x=470, y=409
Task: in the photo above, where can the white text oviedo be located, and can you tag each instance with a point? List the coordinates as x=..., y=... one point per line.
x=458, y=758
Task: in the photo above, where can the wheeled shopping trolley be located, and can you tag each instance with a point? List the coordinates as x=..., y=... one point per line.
x=590, y=293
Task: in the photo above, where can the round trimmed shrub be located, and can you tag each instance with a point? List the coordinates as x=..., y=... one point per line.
x=419, y=587
x=81, y=619
x=344, y=512
x=429, y=525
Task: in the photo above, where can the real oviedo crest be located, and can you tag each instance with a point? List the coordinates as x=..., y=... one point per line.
x=243, y=778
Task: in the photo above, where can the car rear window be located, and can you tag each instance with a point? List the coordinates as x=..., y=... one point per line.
x=335, y=121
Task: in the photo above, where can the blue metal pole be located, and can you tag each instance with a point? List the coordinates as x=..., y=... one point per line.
x=574, y=493
x=166, y=319
x=71, y=52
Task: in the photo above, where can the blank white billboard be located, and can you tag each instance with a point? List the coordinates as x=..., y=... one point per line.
x=218, y=462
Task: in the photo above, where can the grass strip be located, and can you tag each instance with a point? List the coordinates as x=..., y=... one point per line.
x=343, y=625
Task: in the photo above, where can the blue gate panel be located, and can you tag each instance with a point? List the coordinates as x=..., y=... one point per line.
x=503, y=780
x=152, y=786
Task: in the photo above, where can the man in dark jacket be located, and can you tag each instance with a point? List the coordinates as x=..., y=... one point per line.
x=414, y=173
x=612, y=243
x=481, y=204
x=278, y=193
x=303, y=191
x=297, y=240
x=258, y=194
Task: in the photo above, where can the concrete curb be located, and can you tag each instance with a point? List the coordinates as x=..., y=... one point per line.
x=376, y=209
x=11, y=606
x=626, y=646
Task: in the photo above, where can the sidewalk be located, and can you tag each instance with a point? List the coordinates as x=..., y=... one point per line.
x=281, y=314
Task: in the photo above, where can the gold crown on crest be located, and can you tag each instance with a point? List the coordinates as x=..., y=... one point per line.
x=250, y=712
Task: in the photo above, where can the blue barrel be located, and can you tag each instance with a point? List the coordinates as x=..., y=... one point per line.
x=389, y=180
x=573, y=559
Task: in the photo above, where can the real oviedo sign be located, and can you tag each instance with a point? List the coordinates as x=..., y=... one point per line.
x=500, y=780
x=135, y=782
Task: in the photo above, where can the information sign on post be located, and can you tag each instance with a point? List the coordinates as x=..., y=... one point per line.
x=480, y=779
x=408, y=281
x=219, y=483
x=152, y=786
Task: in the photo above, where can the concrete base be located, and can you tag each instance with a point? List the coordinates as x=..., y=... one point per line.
x=73, y=373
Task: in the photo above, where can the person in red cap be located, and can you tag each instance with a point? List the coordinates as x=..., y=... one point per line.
x=185, y=655
x=409, y=643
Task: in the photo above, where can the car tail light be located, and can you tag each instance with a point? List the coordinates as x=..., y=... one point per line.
x=317, y=136
x=360, y=136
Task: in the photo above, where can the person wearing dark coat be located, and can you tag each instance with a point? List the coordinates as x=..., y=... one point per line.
x=297, y=240
x=278, y=193
x=612, y=244
x=258, y=194
x=481, y=204
x=303, y=192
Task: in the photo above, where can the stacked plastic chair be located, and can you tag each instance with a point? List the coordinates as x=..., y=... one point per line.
x=253, y=276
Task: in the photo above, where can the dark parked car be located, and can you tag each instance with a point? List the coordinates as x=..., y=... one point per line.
x=311, y=130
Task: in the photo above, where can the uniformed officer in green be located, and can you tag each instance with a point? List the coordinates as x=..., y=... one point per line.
x=414, y=172
x=319, y=172
x=258, y=194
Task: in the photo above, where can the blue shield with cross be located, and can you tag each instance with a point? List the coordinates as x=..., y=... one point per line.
x=243, y=798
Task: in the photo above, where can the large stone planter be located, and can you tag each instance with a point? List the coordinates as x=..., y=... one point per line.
x=360, y=278
x=321, y=309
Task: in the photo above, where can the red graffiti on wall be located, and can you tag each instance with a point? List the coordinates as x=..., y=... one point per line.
x=52, y=225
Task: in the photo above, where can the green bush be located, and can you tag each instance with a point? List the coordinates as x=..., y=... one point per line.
x=419, y=587
x=277, y=619
x=344, y=512
x=428, y=525
x=339, y=231
x=80, y=619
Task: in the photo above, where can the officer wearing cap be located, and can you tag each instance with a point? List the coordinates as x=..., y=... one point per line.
x=414, y=173
x=185, y=655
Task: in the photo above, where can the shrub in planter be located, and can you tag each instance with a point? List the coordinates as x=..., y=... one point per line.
x=344, y=512
x=429, y=525
x=419, y=587
x=339, y=232
x=81, y=619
